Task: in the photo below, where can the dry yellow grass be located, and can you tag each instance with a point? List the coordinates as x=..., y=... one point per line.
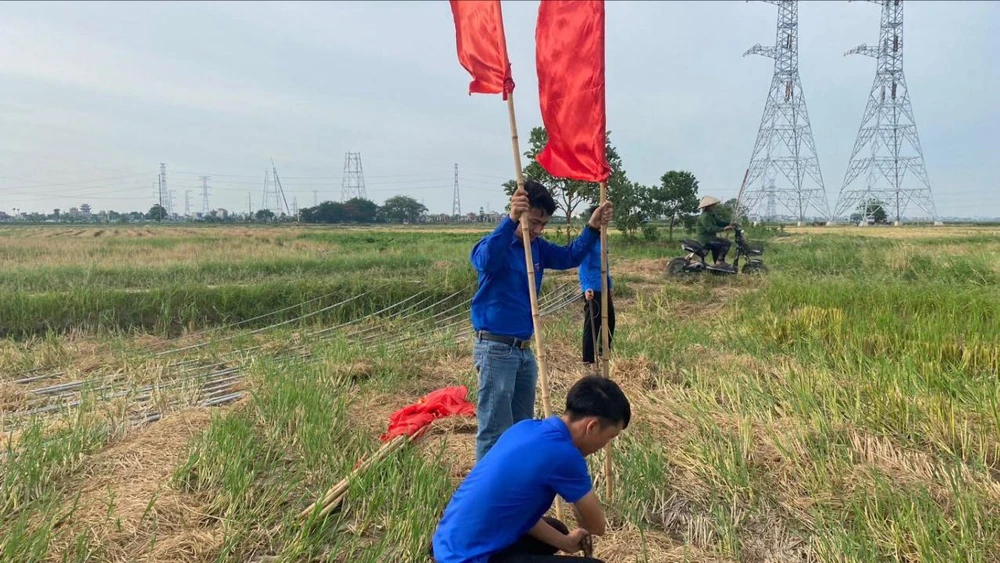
x=172, y=246
x=128, y=508
x=904, y=232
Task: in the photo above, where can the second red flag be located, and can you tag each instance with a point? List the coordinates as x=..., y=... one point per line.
x=569, y=53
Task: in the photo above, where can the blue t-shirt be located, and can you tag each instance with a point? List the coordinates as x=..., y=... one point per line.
x=590, y=271
x=501, y=304
x=509, y=491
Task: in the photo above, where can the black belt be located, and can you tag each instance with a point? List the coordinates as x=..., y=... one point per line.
x=508, y=340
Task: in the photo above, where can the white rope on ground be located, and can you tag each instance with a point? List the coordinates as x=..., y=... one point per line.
x=562, y=296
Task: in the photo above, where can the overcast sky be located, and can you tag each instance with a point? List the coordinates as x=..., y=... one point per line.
x=93, y=96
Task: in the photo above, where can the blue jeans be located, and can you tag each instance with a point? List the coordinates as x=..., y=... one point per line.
x=507, y=377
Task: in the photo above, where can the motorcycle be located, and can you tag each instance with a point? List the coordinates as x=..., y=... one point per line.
x=694, y=261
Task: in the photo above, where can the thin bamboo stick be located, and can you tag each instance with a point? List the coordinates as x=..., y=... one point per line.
x=605, y=330
x=605, y=337
x=335, y=494
x=739, y=196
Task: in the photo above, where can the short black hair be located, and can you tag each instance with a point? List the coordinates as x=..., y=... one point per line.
x=598, y=396
x=539, y=197
x=591, y=210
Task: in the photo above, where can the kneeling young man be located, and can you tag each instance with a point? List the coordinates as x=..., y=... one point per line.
x=496, y=515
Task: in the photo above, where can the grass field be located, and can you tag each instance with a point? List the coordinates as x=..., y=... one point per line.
x=842, y=408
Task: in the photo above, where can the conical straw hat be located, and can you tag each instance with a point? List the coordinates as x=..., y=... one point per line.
x=706, y=201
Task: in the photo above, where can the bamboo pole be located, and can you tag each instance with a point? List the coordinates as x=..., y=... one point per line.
x=605, y=336
x=335, y=495
x=605, y=329
x=739, y=196
x=536, y=320
x=543, y=374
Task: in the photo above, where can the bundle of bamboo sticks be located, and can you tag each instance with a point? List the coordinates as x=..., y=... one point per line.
x=336, y=494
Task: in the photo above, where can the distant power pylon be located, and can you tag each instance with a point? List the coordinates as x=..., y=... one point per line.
x=456, y=201
x=784, y=164
x=187, y=203
x=279, y=193
x=879, y=162
x=772, y=210
x=267, y=189
x=204, y=195
x=353, y=182
x=164, y=192
x=273, y=196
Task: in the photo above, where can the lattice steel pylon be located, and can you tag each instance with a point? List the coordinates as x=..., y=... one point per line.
x=270, y=193
x=879, y=162
x=353, y=181
x=456, y=201
x=784, y=166
x=205, y=209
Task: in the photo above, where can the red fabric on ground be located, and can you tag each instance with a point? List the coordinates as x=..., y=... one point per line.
x=442, y=403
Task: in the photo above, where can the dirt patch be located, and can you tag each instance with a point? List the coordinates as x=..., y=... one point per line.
x=629, y=544
x=12, y=397
x=454, y=441
x=128, y=507
x=649, y=270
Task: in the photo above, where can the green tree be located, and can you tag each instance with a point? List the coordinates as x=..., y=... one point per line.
x=727, y=209
x=264, y=215
x=359, y=210
x=326, y=212
x=401, y=209
x=157, y=213
x=675, y=198
x=569, y=194
x=874, y=208
x=632, y=203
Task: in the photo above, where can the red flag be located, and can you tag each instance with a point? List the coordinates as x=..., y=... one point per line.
x=482, y=47
x=569, y=54
x=411, y=419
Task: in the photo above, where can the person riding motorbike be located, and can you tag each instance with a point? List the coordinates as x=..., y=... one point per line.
x=710, y=223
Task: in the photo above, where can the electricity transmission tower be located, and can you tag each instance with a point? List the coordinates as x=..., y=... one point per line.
x=281, y=203
x=164, y=192
x=267, y=189
x=353, y=182
x=271, y=200
x=456, y=201
x=784, y=165
x=187, y=203
x=879, y=163
x=204, y=195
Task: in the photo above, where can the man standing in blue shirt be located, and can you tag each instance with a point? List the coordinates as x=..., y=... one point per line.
x=496, y=515
x=501, y=308
x=590, y=285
